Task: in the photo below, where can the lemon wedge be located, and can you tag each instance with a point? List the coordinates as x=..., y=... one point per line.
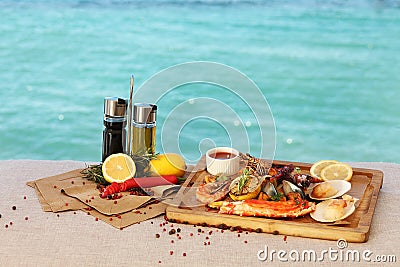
x=168, y=164
x=338, y=171
x=118, y=168
x=317, y=167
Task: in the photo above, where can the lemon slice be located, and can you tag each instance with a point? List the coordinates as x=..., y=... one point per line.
x=251, y=189
x=118, y=168
x=338, y=171
x=317, y=167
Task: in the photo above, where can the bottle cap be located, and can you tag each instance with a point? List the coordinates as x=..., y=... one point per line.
x=144, y=113
x=115, y=107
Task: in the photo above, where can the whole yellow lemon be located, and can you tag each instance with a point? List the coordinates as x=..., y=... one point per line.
x=168, y=164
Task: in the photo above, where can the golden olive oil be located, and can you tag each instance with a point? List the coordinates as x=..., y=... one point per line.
x=144, y=130
x=143, y=140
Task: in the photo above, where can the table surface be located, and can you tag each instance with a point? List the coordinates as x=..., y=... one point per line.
x=68, y=239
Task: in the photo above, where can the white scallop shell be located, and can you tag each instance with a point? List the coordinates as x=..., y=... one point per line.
x=342, y=186
x=319, y=212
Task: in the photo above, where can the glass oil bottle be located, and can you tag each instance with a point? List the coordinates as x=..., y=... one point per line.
x=144, y=129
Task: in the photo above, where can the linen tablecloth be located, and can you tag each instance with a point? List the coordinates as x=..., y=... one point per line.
x=31, y=237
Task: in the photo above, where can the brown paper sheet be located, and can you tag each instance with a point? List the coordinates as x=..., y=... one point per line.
x=51, y=188
x=70, y=191
x=131, y=217
x=89, y=195
x=45, y=206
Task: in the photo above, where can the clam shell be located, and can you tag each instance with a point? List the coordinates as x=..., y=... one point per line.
x=342, y=186
x=319, y=212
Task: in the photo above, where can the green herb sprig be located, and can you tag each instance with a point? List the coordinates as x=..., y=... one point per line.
x=243, y=180
x=277, y=197
x=94, y=173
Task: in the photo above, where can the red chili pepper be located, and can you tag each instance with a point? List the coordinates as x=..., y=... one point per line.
x=142, y=182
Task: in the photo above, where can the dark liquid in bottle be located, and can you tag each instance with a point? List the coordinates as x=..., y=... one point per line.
x=113, y=138
x=222, y=155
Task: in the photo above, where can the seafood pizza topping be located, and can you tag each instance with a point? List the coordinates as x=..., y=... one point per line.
x=276, y=191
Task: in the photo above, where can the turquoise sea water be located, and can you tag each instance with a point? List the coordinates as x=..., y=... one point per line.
x=329, y=70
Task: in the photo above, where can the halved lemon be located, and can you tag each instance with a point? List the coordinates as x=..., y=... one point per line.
x=338, y=171
x=317, y=167
x=251, y=188
x=118, y=168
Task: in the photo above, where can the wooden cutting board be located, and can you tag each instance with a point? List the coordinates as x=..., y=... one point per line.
x=366, y=184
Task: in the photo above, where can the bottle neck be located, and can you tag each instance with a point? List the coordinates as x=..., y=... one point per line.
x=115, y=122
x=143, y=125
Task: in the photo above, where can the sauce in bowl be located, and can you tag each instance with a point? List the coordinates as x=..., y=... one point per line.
x=223, y=160
x=222, y=155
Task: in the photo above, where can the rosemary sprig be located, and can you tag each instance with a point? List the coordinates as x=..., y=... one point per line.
x=94, y=173
x=243, y=180
x=142, y=163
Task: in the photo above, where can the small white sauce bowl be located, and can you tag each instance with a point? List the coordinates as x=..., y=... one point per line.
x=227, y=166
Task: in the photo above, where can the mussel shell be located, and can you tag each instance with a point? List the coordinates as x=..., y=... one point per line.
x=319, y=212
x=289, y=187
x=342, y=186
x=269, y=189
